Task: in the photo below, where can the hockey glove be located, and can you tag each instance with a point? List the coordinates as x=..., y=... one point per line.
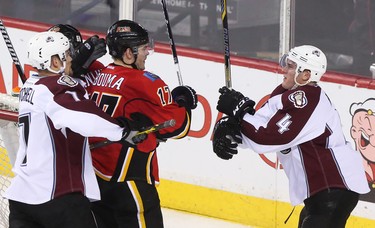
x=227, y=135
x=185, y=96
x=132, y=127
x=142, y=123
x=234, y=104
x=92, y=49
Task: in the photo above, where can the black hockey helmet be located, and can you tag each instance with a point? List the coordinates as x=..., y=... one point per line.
x=125, y=34
x=70, y=32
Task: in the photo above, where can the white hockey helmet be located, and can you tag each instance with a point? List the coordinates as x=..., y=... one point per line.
x=43, y=46
x=307, y=57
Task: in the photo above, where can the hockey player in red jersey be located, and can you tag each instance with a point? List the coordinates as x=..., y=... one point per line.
x=300, y=123
x=127, y=175
x=54, y=176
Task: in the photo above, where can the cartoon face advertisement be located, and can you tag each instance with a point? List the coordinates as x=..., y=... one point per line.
x=362, y=132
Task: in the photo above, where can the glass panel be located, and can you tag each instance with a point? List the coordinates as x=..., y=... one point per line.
x=253, y=25
x=94, y=15
x=343, y=29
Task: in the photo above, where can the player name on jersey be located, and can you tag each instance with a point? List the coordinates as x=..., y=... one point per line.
x=27, y=94
x=106, y=80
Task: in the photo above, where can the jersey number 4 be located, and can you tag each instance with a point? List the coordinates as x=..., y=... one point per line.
x=284, y=123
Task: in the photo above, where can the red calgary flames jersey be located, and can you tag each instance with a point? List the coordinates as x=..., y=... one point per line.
x=121, y=91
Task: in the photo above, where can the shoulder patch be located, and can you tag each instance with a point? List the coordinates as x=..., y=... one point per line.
x=67, y=80
x=150, y=76
x=298, y=98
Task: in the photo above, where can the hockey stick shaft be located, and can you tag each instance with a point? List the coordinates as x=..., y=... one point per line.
x=139, y=135
x=171, y=43
x=224, y=19
x=12, y=51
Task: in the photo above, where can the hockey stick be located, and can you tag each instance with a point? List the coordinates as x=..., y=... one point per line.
x=224, y=18
x=172, y=44
x=139, y=135
x=12, y=51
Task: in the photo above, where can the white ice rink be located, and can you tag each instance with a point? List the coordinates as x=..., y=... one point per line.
x=180, y=219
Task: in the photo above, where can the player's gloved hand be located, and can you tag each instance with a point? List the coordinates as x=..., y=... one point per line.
x=143, y=123
x=234, y=103
x=140, y=122
x=227, y=135
x=185, y=96
x=92, y=49
x=132, y=127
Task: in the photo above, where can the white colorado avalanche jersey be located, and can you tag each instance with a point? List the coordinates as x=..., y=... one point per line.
x=304, y=128
x=53, y=159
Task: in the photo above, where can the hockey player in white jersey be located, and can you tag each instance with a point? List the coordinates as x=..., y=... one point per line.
x=54, y=177
x=300, y=123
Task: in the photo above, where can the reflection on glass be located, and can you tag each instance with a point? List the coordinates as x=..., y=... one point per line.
x=343, y=29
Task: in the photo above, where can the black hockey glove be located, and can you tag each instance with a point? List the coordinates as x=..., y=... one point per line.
x=234, y=103
x=227, y=135
x=140, y=122
x=185, y=96
x=133, y=126
x=92, y=49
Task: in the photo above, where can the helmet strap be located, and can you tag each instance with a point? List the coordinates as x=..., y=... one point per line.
x=296, y=84
x=298, y=71
x=135, y=60
x=135, y=53
x=134, y=50
x=60, y=71
x=132, y=64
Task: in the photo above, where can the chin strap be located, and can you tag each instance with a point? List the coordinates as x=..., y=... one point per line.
x=135, y=53
x=295, y=80
x=60, y=71
x=132, y=64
